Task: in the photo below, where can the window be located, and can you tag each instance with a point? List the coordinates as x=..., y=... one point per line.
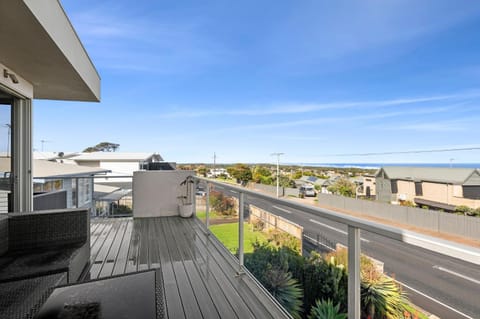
x=471, y=192
x=394, y=186
x=418, y=189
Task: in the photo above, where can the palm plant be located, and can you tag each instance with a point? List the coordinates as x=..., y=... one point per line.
x=286, y=290
x=326, y=310
x=382, y=298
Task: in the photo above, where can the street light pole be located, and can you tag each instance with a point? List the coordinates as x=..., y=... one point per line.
x=278, y=171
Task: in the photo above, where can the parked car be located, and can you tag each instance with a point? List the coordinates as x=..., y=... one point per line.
x=200, y=191
x=307, y=191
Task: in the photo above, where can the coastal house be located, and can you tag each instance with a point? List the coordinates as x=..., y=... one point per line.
x=367, y=188
x=433, y=187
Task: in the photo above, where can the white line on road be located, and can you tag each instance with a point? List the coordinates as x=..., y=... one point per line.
x=235, y=192
x=335, y=229
x=451, y=272
x=434, y=300
x=282, y=209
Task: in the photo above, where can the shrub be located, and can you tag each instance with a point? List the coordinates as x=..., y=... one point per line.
x=326, y=310
x=285, y=289
x=382, y=298
x=121, y=210
x=278, y=270
x=464, y=210
x=407, y=203
x=323, y=280
x=476, y=212
x=283, y=239
x=222, y=204
x=258, y=225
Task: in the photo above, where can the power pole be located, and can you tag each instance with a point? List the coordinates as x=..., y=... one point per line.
x=214, y=165
x=278, y=170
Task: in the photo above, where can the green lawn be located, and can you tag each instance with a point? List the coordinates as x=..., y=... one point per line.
x=228, y=235
x=213, y=215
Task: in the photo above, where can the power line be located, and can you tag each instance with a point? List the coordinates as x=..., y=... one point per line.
x=409, y=152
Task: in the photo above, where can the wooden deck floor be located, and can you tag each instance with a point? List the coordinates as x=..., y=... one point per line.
x=199, y=275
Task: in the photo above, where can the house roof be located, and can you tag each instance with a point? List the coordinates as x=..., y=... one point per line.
x=432, y=174
x=39, y=45
x=45, y=169
x=52, y=155
x=115, y=156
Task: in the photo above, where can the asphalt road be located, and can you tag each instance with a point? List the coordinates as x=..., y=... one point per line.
x=444, y=286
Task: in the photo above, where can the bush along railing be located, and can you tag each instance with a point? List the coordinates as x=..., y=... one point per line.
x=341, y=282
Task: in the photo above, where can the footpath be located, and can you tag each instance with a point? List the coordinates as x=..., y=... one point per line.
x=454, y=238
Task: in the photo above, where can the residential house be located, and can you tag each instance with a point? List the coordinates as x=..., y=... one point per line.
x=321, y=183
x=367, y=188
x=76, y=182
x=119, y=163
x=434, y=187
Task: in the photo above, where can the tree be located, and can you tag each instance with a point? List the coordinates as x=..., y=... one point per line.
x=242, y=173
x=222, y=204
x=297, y=175
x=261, y=174
x=202, y=170
x=102, y=147
x=344, y=187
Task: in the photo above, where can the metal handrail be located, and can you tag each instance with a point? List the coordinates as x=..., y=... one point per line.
x=354, y=224
x=448, y=248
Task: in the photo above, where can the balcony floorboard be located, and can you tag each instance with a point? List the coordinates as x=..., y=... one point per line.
x=200, y=277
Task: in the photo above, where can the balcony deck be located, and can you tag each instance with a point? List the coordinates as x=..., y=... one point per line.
x=200, y=276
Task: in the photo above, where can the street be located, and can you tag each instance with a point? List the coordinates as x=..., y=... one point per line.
x=444, y=286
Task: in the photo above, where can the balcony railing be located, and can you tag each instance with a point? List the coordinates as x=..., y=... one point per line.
x=354, y=227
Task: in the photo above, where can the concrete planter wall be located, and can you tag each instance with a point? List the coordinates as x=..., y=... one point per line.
x=155, y=193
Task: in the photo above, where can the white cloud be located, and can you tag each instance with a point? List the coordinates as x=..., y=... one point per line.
x=299, y=108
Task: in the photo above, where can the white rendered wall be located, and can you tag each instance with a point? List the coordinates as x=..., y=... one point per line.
x=155, y=192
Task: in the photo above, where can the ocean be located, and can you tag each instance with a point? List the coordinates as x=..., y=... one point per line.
x=378, y=165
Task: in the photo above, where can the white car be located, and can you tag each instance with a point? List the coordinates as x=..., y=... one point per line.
x=307, y=191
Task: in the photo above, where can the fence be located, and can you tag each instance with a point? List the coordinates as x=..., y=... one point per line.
x=284, y=191
x=461, y=225
x=276, y=222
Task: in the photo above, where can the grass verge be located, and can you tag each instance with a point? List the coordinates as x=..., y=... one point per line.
x=228, y=235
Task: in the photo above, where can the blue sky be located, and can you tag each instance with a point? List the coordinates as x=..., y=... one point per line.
x=248, y=78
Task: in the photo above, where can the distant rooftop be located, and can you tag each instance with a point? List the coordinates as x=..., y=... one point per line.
x=116, y=156
x=433, y=174
x=44, y=169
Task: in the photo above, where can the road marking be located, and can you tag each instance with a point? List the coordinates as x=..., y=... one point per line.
x=335, y=229
x=235, y=192
x=318, y=243
x=282, y=209
x=434, y=300
x=457, y=274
